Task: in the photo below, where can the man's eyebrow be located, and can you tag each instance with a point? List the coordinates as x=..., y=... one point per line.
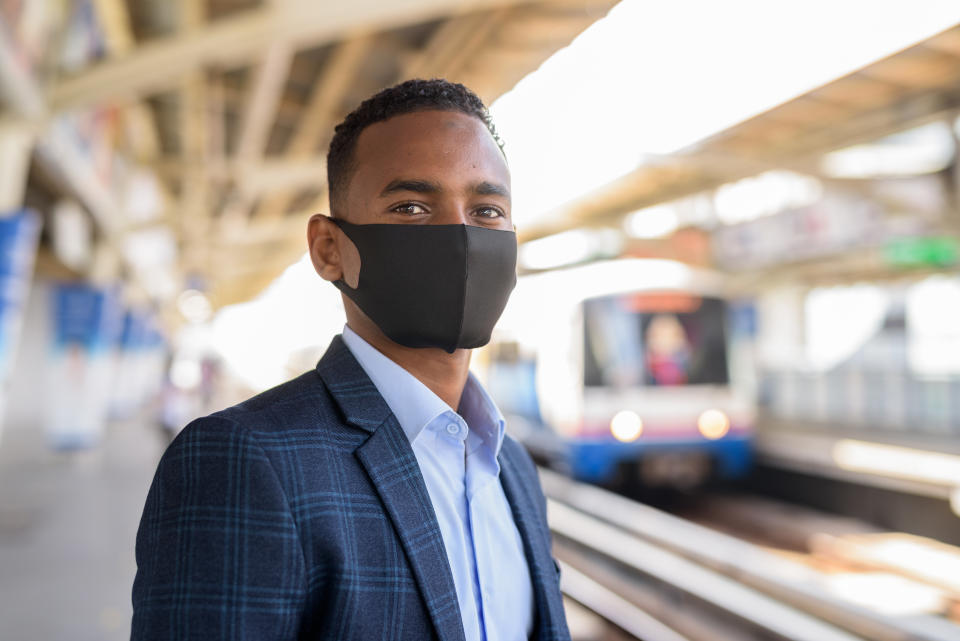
x=418, y=186
x=491, y=189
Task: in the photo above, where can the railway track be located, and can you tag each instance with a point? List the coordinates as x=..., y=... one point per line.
x=661, y=578
x=919, y=571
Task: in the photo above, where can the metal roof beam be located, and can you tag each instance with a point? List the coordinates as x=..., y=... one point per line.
x=318, y=117
x=235, y=40
x=269, y=80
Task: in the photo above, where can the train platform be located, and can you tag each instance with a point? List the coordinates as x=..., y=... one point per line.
x=68, y=522
x=921, y=463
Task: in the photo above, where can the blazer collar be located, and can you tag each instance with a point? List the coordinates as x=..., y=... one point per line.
x=395, y=474
x=351, y=388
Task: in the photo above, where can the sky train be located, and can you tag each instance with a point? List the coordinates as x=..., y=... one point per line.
x=627, y=369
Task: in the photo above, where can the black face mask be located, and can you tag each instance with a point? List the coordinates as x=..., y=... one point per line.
x=433, y=285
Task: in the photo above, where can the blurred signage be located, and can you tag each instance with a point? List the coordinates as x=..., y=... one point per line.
x=936, y=251
x=688, y=245
x=838, y=223
x=139, y=364
x=87, y=324
x=18, y=246
x=661, y=302
x=86, y=317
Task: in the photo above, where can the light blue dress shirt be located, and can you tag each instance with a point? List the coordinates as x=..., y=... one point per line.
x=457, y=454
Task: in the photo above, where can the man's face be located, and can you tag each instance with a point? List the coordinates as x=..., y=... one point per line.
x=428, y=168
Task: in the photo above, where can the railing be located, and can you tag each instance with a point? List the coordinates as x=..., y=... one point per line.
x=893, y=401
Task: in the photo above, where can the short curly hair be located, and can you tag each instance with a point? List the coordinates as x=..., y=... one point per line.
x=407, y=97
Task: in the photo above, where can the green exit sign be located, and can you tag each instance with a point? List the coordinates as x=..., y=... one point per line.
x=938, y=251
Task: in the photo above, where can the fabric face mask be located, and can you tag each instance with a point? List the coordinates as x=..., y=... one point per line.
x=433, y=285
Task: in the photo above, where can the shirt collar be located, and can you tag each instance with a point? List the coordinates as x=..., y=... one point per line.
x=412, y=402
x=415, y=405
x=482, y=415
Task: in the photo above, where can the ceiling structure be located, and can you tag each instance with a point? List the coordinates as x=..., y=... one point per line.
x=917, y=85
x=231, y=103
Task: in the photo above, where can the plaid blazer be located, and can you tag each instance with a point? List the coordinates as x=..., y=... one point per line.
x=302, y=514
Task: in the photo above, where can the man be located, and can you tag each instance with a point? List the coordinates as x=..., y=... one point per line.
x=353, y=502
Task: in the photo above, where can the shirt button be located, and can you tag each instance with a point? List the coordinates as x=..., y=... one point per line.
x=452, y=429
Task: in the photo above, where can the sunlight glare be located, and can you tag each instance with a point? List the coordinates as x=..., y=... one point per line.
x=654, y=77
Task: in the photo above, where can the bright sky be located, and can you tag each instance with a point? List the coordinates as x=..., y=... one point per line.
x=297, y=311
x=654, y=77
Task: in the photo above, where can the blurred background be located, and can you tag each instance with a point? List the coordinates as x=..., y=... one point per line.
x=734, y=347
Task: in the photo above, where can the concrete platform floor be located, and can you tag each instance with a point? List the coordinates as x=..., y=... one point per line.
x=68, y=523
x=67, y=527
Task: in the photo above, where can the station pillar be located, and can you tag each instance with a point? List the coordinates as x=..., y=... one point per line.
x=16, y=144
x=19, y=233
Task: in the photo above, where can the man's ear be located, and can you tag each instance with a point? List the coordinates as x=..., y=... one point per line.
x=322, y=245
x=333, y=255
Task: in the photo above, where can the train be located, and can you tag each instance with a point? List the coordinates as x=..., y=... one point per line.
x=621, y=370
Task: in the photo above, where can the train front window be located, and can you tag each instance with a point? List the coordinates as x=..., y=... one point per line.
x=654, y=339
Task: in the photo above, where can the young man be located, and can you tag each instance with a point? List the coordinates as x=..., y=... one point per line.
x=376, y=497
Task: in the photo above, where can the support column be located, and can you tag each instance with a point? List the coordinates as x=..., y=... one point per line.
x=16, y=144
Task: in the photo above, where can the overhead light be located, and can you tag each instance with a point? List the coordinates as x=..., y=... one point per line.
x=570, y=247
x=194, y=306
x=150, y=248
x=653, y=222
x=142, y=198
x=922, y=150
x=159, y=282
x=764, y=195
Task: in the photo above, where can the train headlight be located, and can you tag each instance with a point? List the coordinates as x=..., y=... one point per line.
x=713, y=424
x=626, y=426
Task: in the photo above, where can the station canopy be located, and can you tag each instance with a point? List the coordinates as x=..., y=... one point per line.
x=226, y=107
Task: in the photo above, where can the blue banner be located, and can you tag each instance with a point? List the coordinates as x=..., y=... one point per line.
x=87, y=317
x=19, y=233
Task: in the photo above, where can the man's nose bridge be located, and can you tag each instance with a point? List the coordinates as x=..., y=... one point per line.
x=453, y=211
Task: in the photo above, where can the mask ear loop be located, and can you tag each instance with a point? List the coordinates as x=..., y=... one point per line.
x=345, y=227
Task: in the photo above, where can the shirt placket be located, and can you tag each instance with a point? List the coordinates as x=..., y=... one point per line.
x=454, y=430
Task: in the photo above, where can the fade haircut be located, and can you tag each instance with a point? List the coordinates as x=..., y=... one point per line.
x=407, y=97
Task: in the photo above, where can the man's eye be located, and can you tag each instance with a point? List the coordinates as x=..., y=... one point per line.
x=489, y=212
x=409, y=209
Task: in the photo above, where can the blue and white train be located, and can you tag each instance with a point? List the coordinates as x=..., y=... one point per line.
x=624, y=369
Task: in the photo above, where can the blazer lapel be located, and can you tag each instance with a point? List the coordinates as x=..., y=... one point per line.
x=550, y=617
x=393, y=469
x=351, y=388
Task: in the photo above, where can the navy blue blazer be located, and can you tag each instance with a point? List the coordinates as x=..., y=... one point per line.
x=302, y=514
